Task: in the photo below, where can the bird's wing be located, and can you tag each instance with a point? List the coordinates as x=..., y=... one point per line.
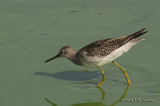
x=102, y=47
x=106, y=46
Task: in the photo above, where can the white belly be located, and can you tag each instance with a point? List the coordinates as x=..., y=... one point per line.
x=96, y=61
x=115, y=54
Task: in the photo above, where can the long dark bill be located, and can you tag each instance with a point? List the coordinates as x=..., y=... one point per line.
x=52, y=58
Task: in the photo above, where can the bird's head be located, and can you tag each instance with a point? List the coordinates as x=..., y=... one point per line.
x=65, y=51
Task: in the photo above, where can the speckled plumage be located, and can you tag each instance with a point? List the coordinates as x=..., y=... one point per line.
x=99, y=49
x=101, y=52
x=106, y=46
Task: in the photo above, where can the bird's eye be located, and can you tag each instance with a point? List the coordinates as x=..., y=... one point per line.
x=61, y=52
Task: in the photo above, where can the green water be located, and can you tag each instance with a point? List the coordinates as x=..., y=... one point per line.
x=32, y=31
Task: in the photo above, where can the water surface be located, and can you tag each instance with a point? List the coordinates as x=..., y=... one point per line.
x=32, y=31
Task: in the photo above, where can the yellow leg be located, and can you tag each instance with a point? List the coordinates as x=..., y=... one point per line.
x=124, y=71
x=103, y=77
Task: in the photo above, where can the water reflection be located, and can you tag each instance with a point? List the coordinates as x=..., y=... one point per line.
x=53, y=104
x=97, y=103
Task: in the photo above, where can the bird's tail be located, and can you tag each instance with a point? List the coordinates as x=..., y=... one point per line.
x=136, y=34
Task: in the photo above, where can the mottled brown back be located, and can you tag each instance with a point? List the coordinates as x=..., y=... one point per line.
x=106, y=46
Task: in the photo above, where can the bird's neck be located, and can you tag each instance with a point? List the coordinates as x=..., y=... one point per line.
x=72, y=57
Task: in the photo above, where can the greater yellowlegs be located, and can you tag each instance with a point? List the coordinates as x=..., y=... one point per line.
x=101, y=52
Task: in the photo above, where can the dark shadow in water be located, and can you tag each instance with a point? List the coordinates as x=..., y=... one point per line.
x=97, y=103
x=83, y=75
x=72, y=75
